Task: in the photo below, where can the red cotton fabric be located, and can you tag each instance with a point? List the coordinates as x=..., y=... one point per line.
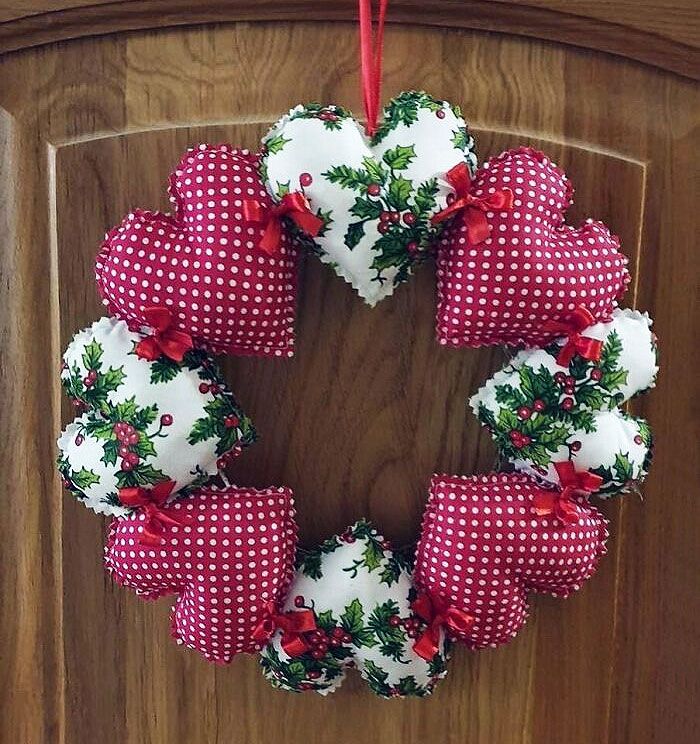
x=204, y=263
x=234, y=555
x=483, y=548
x=531, y=268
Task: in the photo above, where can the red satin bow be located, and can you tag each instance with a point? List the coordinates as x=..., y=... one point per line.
x=151, y=501
x=436, y=612
x=588, y=348
x=165, y=341
x=472, y=207
x=292, y=624
x=561, y=503
x=294, y=205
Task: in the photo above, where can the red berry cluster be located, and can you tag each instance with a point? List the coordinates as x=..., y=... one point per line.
x=205, y=388
x=90, y=378
x=127, y=436
x=328, y=116
x=412, y=625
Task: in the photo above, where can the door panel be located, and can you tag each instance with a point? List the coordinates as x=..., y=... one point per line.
x=370, y=405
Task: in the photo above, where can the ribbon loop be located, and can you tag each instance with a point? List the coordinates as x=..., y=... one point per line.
x=165, y=340
x=371, y=61
x=586, y=347
x=151, y=502
x=472, y=208
x=293, y=625
x=561, y=503
x=294, y=205
x=434, y=611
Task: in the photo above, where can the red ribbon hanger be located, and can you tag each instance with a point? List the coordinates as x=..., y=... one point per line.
x=151, y=501
x=292, y=624
x=294, y=205
x=472, y=208
x=165, y=341
x=371, y=61
x=436, y=612
x=579, y=320
x=573, y=483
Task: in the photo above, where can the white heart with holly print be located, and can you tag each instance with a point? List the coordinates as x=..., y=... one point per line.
x=375, y=195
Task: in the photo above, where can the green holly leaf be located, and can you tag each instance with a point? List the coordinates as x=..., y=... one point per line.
x=460, y=139
x=509, y=396
x=347, y=177
x=614, y=379
x=84, y=478
x=99, y=429
x=354, y=234
x=508, y=420
x=145, y=447
x=111, y=379
x=311, y=565
x=644, y=432
x=624, y=470
x=141, y=475
x=376, y=678
x=352, y=617
x=553, y=438
x=399, y=157
x=392, y=639
x=392, y=570
x=373, y=555
x=375, y=170
x=164, y=369
x=486, y=417
x=92, y=355
x=110, y=448
x=203, y=428
x=591, y=396
x=366, y=209
x=534, y=452
x=282, y=189
x=409, y=687
x=276, y=144
x=399, y=192
x=124, y=411
x=426, y=196
x=144, y=417
x=610, y=353
x=391, y=251
x=325, y=620
x=437, y=665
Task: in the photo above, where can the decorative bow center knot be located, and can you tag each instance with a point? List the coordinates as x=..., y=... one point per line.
x=295, y=206
x=573, y=483
x=292, y=624
x=165, y=341
x=579, y=320
x=472, y=208
x=434, y=611
x=151, y=502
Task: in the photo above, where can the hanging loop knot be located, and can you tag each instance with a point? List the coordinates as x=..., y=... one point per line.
x=151, y=503
x=472, y=208
x=434, y=611
x=561, y=503
x=165, y=340
x=293, y=625
x=295, y=206
x=579, y=320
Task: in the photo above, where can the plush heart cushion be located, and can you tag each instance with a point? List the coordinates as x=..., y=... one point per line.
x=483, y=549
x=540, y=412
x=531, y=268
x=375, y=196
x=145, y=421
x=233, y=554
x=359, y=593
x=204, y=262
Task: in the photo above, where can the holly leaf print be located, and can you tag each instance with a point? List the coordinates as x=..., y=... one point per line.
x=392, y=570
x=354, y=234
x=352, y=622
x=623, y=468
x=164, y=369
x=376, y=678
x=275, y=144
x=325, y=620
x=399, y=192
x=375, y=170
x=373, y=555
x=591, y=396
x=84, y=478
x=124, y=411
x=347, y=177
x=111, y=379
x=399, y=157
x=460, y=139
x=509, y=396
x=111, y=449
x=366, y=209
x=392, y=639
x=143, y=417
x=644, y=432
x=614, y=379
x=311, y=565
x=487, y=418
x=92, y=355
x=141, y=475
x=425, y=198
x=610, y=353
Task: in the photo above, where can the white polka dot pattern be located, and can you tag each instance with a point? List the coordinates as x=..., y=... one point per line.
x=204, y=263
x=483, y=549
x=532, y=268
x=235, y=556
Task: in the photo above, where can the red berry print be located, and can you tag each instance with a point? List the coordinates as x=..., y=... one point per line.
x=394, y=621
x=79, y=440
x=409, y=218
x=567, y=404
x=299, y=600
x=126, y=466
x=230, y=422
x=638, y=440
x=203, y=387
x=539, y=405
x=440, y=113
x=524, y=413
x=383, y=227
x=373, y=189
x=314, y=674
x=596, y=374
x=166, y=419
x=394, y=216
x=560, y=378
x=575, y=446
x=305, y=179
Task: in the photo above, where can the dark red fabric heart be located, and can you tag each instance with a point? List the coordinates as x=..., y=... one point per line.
x=204, y=263
x=225, y=553
x=483, y=548
x=532, y=268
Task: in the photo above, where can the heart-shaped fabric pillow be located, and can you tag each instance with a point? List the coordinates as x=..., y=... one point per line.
x=541, y=412
x=483, y=548
x=358, y=595
x=205, y=263
x=531, y=268
x=228, y=554
x=146, y=421
x=377, y=196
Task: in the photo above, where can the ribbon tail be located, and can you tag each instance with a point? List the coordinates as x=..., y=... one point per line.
x=567, y=511
x=566, y=354
x=310, y=223
x=478, y=228
x=270, y=240
x=426, y=646
x=294, y=645
x=543, y=503
x=148, y=348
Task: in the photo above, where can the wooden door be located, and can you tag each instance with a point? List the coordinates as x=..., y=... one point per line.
x=96, y=104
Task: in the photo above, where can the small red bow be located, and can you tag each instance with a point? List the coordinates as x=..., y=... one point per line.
x=151, y=501
x=588, y=348
x=292, y=624
x=294, y=205
x=561, y=503
x=472, y=207
x=165, y=341
x=436, y=612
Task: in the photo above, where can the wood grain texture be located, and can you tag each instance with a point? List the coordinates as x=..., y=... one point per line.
x=366, y=411
x=663, y=33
